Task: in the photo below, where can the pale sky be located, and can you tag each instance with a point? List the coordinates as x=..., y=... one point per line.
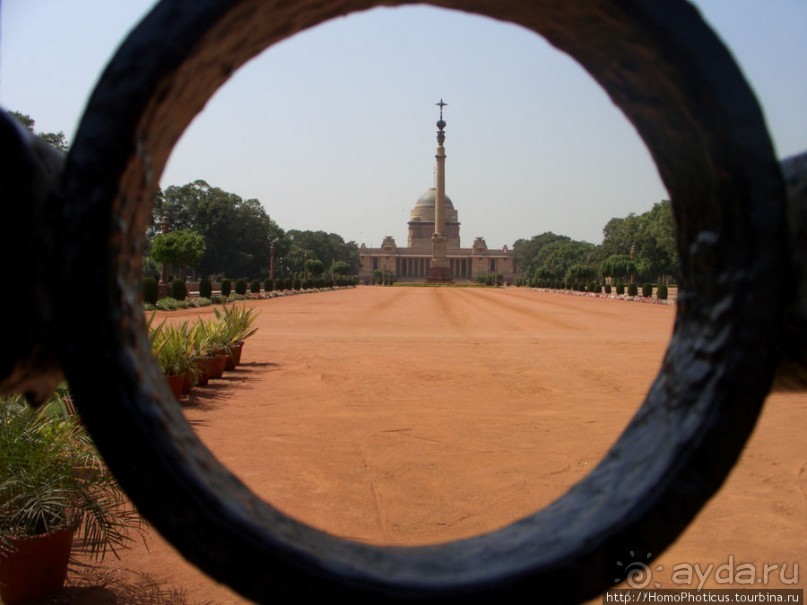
x=333, y=129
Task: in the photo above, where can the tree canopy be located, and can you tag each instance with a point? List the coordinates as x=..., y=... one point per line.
x=55, y=139
x=183, y=248
x=326, y=247
x=640, y=246
x=237, y=232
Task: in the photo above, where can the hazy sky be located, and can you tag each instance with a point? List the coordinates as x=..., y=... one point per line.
x=333, y=129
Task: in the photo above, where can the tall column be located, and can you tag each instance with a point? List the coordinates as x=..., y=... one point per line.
x=439, y=270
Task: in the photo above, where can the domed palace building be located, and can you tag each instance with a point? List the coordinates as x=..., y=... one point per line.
x=434, y=252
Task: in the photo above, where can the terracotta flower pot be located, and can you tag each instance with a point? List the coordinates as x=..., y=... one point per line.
x=175, y=382
x=216, y=364
x=37, y=568
x=234, y=356
x=187, y=383
x=201, y=373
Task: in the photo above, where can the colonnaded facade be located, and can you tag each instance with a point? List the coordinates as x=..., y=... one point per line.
x=434, y=252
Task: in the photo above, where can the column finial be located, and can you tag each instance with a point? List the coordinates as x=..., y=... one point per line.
x=441, y=124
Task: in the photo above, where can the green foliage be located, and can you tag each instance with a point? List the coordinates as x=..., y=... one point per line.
x=52, y=478
x=173, y=347
x=235, y=230
x=151, y=291
x=226, y=287
x=647, y=290
x=269, y=285
x=648, y=239
x=620, y=288
x=183, y=248
x=241, y=286
x=236, y=322
x=54, y=139
x=618, y=265
x=170, y=304
x=607, y=288
x=580, y=273
x=327, y=247
x=179, y=290
x=633, y=290
x=255, y=286
x=205, y=288
x=314, y=267
x=550, y=256
x=661, y=292
x=339, y=268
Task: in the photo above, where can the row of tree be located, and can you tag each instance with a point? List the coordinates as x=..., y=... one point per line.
x=635, y=248
x=212, y=232
x=202, y=230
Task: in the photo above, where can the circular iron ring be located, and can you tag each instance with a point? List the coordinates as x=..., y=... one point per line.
x=685, y=96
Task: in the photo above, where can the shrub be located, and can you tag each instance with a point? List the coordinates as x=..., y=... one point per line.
x=633, y=290
x=596, y=288
x=296, y=284
x=241, y=286
x=226, y=287
x=647, y=290
x=151, y=291
x=661, y=293
x=607, y=288
x=205, y=288
x=620, y=289
x=170, y=304
x=179, y=290
x=269, y=285
x=255, y=286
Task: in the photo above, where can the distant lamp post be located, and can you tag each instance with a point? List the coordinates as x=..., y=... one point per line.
x=272, y=260
x=163, y=289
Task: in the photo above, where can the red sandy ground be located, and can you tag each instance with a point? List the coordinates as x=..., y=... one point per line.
x=422, y=415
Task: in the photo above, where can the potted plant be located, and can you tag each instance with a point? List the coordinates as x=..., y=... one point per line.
x=56, y=495
x=213, y=346
x=237, y=323
x=174, y=351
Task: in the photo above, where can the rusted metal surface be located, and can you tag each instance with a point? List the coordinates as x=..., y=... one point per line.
x=687, y=99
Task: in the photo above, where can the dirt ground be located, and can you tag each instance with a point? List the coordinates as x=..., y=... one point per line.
x=422, y=415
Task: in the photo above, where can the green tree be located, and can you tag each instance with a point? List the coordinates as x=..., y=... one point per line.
x=181, y=249
x=339, y=269
x=579, y=274
x=327, y=247
x=527, y=252
x=618, y=266
x=55, y=139
x=314, y=267
x=553, y=255
x=237, y=232
x=649, y=239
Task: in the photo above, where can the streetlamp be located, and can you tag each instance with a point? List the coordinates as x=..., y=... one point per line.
x=163, y=288
x=272, y=260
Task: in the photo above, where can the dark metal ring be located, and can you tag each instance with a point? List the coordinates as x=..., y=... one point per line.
x=684, y=94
